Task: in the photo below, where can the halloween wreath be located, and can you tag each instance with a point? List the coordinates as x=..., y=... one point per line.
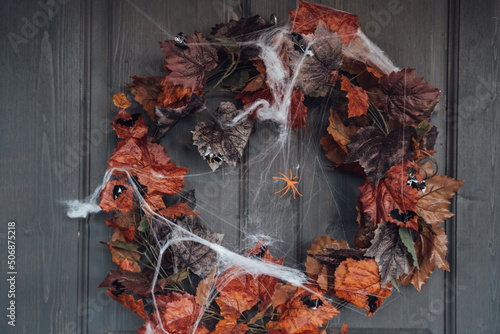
x=173, y=271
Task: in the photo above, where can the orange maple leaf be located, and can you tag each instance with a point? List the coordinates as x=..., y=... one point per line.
x=358, y=99
x=116, y=195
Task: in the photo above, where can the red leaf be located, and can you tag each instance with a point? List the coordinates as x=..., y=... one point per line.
x=305, y=19
x=127, y=125
x=145, y=91
x=391, y=199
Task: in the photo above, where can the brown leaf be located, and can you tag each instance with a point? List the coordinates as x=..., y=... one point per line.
x=298, y=111
x=431, y=248
x=221, y=141
x=172, y=96
x=377, y=153
x=391, y=199
x=334, y=152
x=192, y=255
x=340, y=132
x=188, y=65
x=316, y=65
x=434, y=202
x=321, y=246
x=409, y=100
x=358, y=282
x=116, y=195
x=389, y=252
x=146, y=91
x=121, y=101
x=127, y=232
x=119, y=281
x=127, y=126
x=366, y=229
x=358, y=99
x=305, y=19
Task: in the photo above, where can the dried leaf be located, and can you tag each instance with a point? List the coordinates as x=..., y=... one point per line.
x=149, y=162
x=407, y=239
x=358, y=99
x=127, y=232
x=377, y=153
x=188, y=65
x=316, y=65
x=121, y=101
x=431, y=249
x=191, y=255
x=389, y=252
x=358, y=282
x=434, y=202
x=126, y=259
x=127, y=126
x=366, y=229
x=409, y=99
x=172, y=96
x=137, y=306
x=298, y=111
x=391, y=199
x=306, y=18
x=340, y=132
x=146, y=91
x=334, y=152
x=116, y=195
x=139, y=283
x=221, y=141
x=304, y=312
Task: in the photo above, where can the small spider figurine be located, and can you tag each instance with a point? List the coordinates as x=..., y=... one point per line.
x=290, y=183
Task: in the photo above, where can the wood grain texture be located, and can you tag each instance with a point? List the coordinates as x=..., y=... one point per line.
x=41, y=152
x=478, y=296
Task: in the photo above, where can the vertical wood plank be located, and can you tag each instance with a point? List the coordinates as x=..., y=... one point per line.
x=39, y=141
x=478, y=293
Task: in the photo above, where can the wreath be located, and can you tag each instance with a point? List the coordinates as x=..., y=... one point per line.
x=173, y=271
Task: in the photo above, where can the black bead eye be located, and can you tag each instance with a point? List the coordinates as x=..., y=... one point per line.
x=118, y=190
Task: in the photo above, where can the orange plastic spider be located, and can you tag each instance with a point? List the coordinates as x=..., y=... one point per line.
x=290, y=183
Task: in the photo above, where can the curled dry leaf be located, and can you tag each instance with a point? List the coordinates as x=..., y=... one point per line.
x=409, y=99
x=389, y=252
x=187, y=66
x=305, y=19
x=333, y=151
x=377, y=153
x=358, y=282
x=123, y=253
x=222, y=141
x=366, y=229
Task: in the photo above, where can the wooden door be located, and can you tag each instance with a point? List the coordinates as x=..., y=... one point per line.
x=63, y=60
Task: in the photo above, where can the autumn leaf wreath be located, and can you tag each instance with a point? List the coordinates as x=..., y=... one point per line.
x=173, y=271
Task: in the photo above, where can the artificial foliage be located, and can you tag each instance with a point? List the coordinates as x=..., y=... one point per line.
x=379, y=127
